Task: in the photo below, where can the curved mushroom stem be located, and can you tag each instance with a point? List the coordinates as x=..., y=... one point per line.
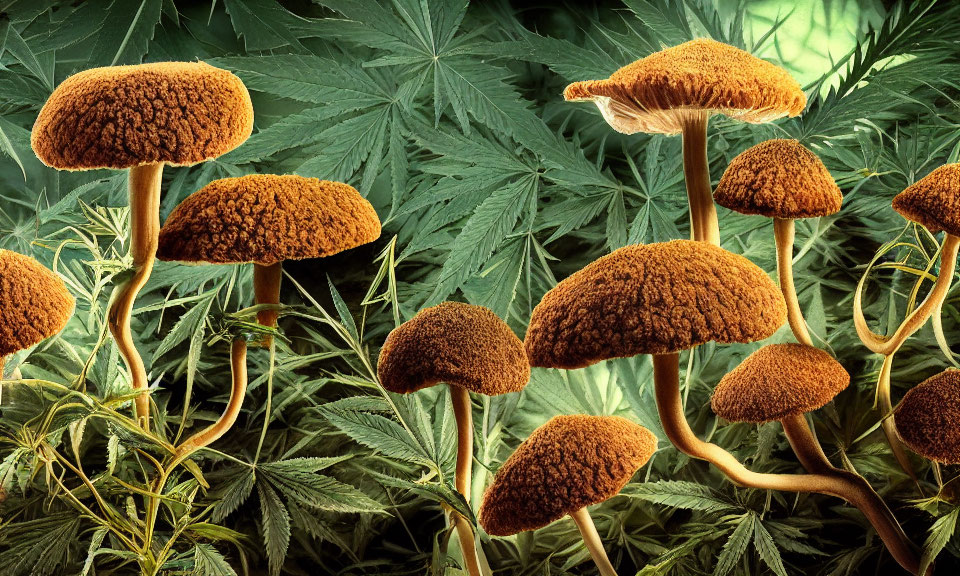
x=592, y=539
x=666, y=374
x=886, y=345
x=463, y=413
x=144, y=189
x=696, y=172
x=783, y=230
x=887, y=422
x=266, y=290
x=808, y=450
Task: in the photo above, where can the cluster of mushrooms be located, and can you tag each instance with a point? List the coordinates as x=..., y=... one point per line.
x=658, y=299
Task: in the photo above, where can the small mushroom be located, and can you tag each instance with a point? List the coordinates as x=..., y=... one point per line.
x=677, y=89
x=928, y=416
x=140, y=118
x=781, y=179
x=567, y=464
x=471, y=350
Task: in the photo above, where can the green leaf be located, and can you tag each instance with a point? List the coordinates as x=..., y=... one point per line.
x=276, y=527
x=767, y=549
x=208, y=562
x=939, y=535
x=127, y=32
x=680, y=494
x=378, y=433
x=264, y=24
x=736, y=545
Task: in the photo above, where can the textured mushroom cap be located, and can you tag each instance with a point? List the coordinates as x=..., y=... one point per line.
x=928, y=417
x=778, y=179
x=702, y=74
x=779, y=380
x=653, y=299
x=34, y=302
x=266, y=219
x=124, y=116
x=934, y=200
x=566, y=464
x=459, y=344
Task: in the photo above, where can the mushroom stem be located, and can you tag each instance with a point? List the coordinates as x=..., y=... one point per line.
x=266, y=290
x=887, y=422
x=808, y=450
x=592, y=539
x=845, y=485
x=888, y=344
x=696, y=171
x=463, y=414
x=783, y=230
x=144, y=189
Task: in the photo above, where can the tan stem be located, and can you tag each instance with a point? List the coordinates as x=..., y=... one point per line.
x=783, y=230
x=144, y=189
x=666, y=371
x=805, y=445
x=696, y=171
x=588, y=530
x=889, y=425
x=463, y=414
x=266, y=290
x=888, y=344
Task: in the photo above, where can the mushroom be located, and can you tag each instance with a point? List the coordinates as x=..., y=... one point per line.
x=567, y=464
x=677, y=89
x=927, y=417
x=781, y=179
x=663, y=298
x=140, y=118
x=470, y=349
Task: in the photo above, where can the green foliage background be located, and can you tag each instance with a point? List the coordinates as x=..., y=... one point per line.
x=449, y=118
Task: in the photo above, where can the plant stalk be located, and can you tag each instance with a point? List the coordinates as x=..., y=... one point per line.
x=588, y=530
x=784, y=231
x=696, y=171
x=463, y=414
x=266, y=290
x=889, y=425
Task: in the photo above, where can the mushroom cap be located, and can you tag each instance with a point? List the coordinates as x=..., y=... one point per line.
x=653, y=93
x=779, y=380
x=460, y=344
x=653, y=299
x=35, y=302
x=933, y=200
x=928, y=417
x=566, y=464
x=778, y=179
x=265, y=218
x=125, y=116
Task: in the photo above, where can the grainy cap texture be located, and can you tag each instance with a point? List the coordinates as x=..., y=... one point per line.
x=928, y=417
x=779, y=380
x=702, y=74
x=456, y=343
x=34, y=302
x=779, y=179
x=934, y=200
x=123, y=116
x=266, y=219
x=566, y=464
x=653, y=299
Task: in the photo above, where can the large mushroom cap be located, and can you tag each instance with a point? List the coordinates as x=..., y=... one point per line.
x=653, y=299
x=779, y=179
x=779, y=380
x=700, y=75
x=460, y=344
x=566, y=464
x=124, y=116
x=266, y=219
x=34, y=303
x=934, y=200
x=928, y=417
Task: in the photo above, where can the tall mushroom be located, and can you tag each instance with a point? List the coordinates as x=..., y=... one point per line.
x=470, y=349
x=663, y=298
x=781, y=179
x=567, y=464
x=140, y=118
x=928, y=417
x=677, y=89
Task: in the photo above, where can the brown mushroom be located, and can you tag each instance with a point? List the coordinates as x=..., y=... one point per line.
x=567, y=464
x=677, y=89
x=928, y=417
x=781, y=179
x=471, y=350
x=140, y=118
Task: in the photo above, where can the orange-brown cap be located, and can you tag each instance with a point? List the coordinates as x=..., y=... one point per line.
x=653, y=299
x=264, y=218
x=779, y=179
x=934, y=200
x=34, y=303
x=566, y=464
x=779, y=380
x=928, y=417
x=124, y=116
x=653, y=93
x=460, y=344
